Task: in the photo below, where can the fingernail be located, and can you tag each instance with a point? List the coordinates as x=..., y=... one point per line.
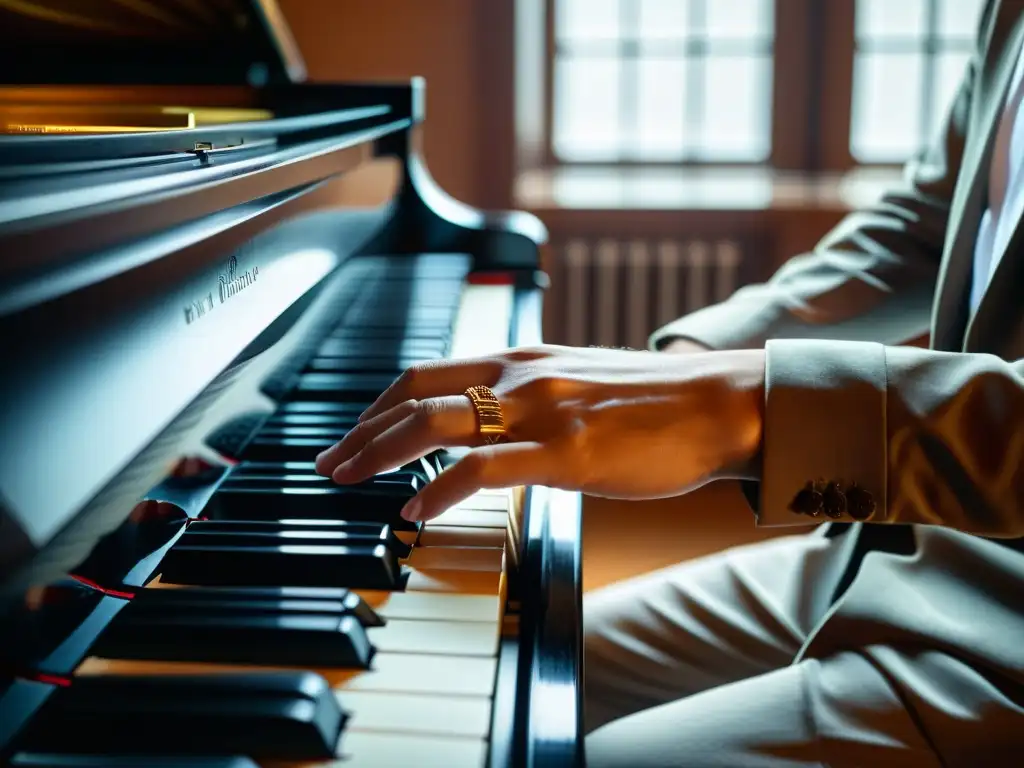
x=411, y=511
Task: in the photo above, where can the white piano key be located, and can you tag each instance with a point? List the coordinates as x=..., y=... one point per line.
x=454, y=582
x=457, y=558
x=460, y=536
x=489, y=502
x=436, y=606
x=415, y=713
x=395, y=672
x=367, y=749
x=418, y=673
x=472, y=518
x=451, y=638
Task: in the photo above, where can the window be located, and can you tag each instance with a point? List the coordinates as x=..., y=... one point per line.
x=662, y=80
x=805, y=85
x=909, y=57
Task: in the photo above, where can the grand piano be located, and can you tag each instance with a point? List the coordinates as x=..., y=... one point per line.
x=191, y=308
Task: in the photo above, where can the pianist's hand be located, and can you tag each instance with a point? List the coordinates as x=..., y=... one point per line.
x=608, y=422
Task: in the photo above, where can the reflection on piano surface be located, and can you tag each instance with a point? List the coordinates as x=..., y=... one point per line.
x=187, y=317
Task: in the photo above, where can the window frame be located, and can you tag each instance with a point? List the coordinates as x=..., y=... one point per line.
x=811, y=113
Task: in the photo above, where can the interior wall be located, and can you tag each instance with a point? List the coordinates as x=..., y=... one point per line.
x=452, y=44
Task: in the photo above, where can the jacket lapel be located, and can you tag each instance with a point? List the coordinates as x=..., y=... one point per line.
x=1003, y=44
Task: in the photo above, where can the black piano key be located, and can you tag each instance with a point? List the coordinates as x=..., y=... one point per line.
x=230, y=438
x=415, y=296
x=272, y=449
x=397, y=311
x=347, y=343
x=239, y=502
x=263, y=533
x=321, y=420
x=284, y=475
x=235, y=633
x=351, y=410
x=388, y=338
x=127, y=761
x=279, y=449
x=330, y=601
x=405, y=480
x=341, y=386
x=412, y=474
x=357, y=566
x=333, y=430
x=278, y=480
x=423, y=268
x=279, y=384
x=316, y=428
x=280, y=715
x=356, y=364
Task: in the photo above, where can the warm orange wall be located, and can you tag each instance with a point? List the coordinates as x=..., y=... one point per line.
x=367, y=40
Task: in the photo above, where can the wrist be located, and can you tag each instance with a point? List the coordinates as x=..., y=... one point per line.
x=747, y=383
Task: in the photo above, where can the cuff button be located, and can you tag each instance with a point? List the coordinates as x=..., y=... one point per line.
x=834, y=501
x=860, y=502
x=807, y=501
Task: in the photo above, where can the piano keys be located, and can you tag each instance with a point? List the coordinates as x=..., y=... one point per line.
x=185, y=324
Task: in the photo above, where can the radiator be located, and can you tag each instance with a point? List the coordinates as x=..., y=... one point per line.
x=614, y=293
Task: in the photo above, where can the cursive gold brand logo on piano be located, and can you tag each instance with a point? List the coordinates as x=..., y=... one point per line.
x=230, y=282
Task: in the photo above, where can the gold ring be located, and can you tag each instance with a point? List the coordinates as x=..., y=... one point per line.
x=490, y=421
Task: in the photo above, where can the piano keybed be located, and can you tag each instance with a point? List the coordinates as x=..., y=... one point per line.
x=298, y=623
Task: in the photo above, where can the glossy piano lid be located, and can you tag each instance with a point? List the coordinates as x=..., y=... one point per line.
x=154, y=42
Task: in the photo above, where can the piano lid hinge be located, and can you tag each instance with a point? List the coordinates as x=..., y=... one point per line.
x=200, y=150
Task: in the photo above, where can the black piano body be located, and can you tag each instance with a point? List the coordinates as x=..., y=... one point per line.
x=150, y=279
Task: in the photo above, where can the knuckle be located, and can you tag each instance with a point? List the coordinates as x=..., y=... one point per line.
x=358, y=434
x=428, y=414
x=541, y=386
x=407, y=379
x=574, y=444
x=368, y=453
x=408, y=407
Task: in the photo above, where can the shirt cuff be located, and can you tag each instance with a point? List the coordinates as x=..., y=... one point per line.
x=824, y=436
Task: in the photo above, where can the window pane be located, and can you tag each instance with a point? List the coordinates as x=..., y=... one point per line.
x=886, y=119
x=959, y=18
x=586, y=117
x=751, y=19
x=890, y=18
x=661, y=101
x=660, y=19
x=587, y=19
x=737, y=108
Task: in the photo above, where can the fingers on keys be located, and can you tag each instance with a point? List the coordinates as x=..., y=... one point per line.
x=492, y=466
x=435, y=379
x=398, y=436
